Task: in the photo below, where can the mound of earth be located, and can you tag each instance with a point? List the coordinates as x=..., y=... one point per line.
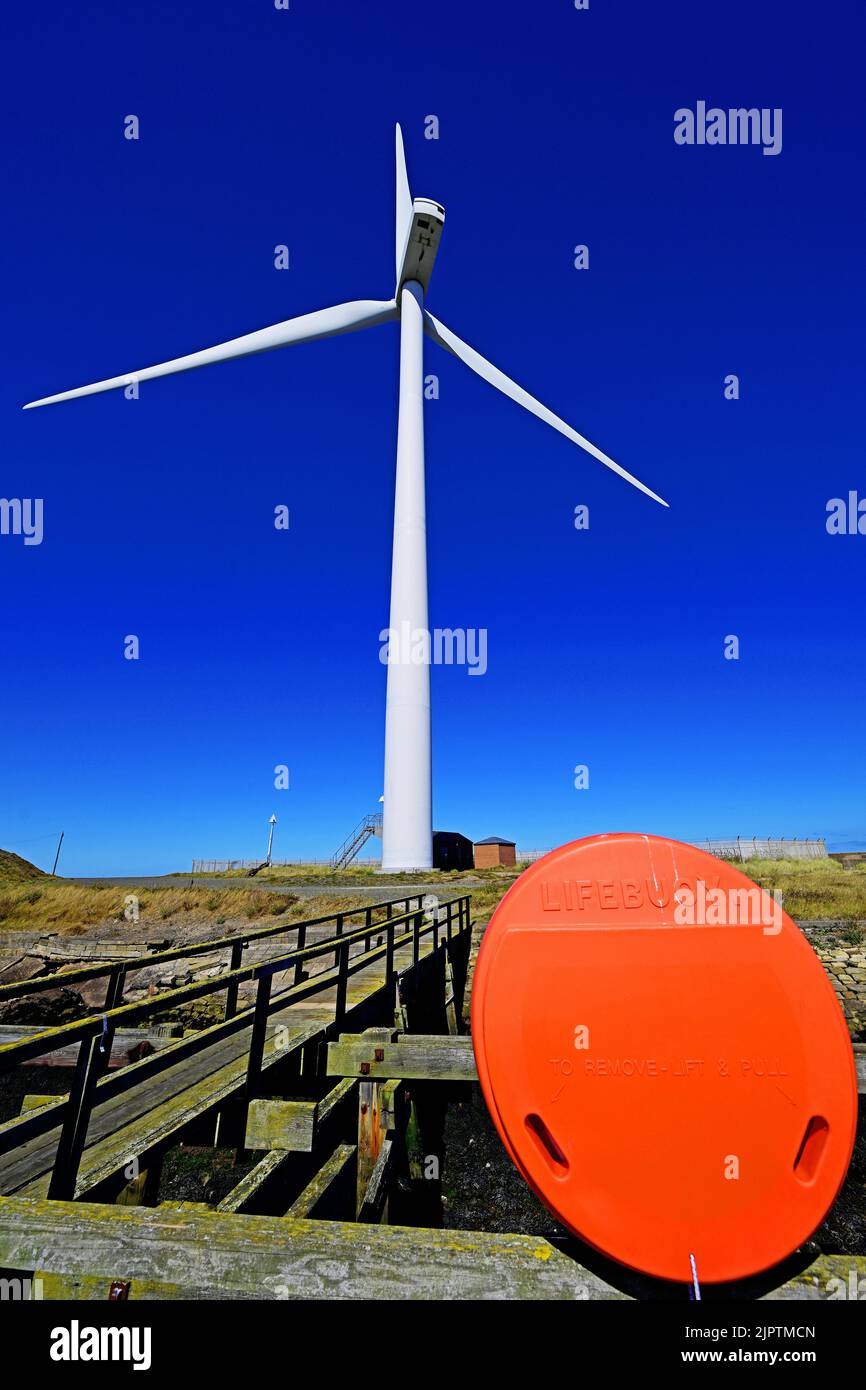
x=14, y=869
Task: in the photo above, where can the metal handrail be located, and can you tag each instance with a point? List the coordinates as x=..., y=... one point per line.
x=366, y=827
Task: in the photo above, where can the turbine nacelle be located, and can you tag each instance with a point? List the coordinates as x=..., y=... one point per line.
x=422, y=243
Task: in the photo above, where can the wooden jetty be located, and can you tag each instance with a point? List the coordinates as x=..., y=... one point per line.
x=336, y=1074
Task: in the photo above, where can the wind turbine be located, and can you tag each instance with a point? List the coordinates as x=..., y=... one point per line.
x=407, y=840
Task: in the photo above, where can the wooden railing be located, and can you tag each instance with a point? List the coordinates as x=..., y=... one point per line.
x=94, y=1034
x=236, y=943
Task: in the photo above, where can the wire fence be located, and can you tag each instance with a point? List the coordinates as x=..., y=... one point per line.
x=224, y=866
x=744, y=848
x=739, y=848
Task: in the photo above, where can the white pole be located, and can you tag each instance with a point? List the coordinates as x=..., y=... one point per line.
x=272, y=822
x=407, y=818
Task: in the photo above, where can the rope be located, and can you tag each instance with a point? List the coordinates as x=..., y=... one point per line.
x=697, y=1288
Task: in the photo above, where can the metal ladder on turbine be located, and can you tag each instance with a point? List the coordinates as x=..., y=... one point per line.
x=354, y=843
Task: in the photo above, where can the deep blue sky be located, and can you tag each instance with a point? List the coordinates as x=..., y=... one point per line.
x=259, y=647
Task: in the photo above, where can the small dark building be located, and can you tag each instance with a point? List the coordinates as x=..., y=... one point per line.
x=493, y=851
x=451, y=850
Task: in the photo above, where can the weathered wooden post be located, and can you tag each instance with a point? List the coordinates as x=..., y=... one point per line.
x=257, y=1038
x=235, y=961
x=342, y=984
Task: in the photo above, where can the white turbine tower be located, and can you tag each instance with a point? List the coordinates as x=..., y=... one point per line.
x=407, y=840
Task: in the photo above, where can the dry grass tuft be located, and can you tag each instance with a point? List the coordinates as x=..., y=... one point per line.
x=72, y=908
x=813, y=888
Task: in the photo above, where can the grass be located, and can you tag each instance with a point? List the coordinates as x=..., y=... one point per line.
x=69, y=908
x=813, y=888
x=317, y=873
x=486, y=885
x=14, y=869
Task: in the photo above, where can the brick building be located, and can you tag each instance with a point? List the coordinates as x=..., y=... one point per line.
x=493, y=851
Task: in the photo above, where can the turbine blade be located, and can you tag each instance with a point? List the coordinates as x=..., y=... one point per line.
x=448, y=340
x=403, y=217
x=324, y=323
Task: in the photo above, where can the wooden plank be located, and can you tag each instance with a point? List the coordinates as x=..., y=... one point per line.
x=129, y=1045
x=829, y=1277
x=371, y=1131
x=450, y=998
x=76, y=949
x=78, y=1288
x=413, y=1057
x=331, y=1193
x=185, y=1206
x=370, y=1135
x=335, y=1105
x=133, y=1194
x=438, y=1057
x=374, y=1200
x=175, y=1253
x=295, y=1125
x=332, y=1115
x=197, y=1255
x=250, y=1187
x=392, y=1103
x=185, y=1254
x=281, y=1124
x=143, y=1189
x=35, y=1102
x=155, y=1128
